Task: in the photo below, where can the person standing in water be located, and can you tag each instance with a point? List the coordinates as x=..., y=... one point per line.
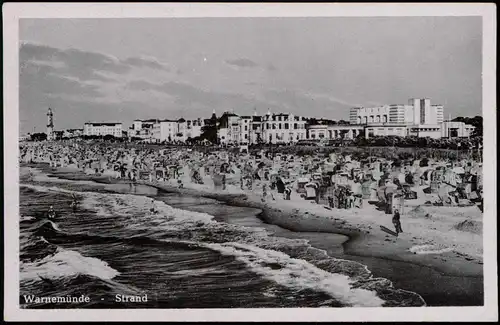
x=51, y=213
x=153, y=207
x=396, y=221
x=74, y=202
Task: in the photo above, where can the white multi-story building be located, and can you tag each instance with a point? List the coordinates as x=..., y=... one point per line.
x=256, y=130
x=270, y=128
x=189, y=129
x=165, y=130
x=143, y=129
x=283, y=128
x=246, y=129
x=417, y=118
x=418, y=111
x=177, y=130
x=103, y=128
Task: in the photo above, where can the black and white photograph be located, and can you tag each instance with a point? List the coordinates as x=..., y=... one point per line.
x=198, y=158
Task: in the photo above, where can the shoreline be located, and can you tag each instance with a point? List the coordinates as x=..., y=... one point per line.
x=440, y=279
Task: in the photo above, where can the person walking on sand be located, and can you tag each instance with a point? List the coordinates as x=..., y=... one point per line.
x=288, y=192
x=264, y=192
x=396, y=222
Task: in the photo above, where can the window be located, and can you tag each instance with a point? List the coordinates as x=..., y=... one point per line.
x=422, y=111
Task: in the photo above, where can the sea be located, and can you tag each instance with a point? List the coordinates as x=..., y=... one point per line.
x=175, y=251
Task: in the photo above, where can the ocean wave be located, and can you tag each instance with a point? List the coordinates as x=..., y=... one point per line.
x=27, y=218
x=66, y=263
x=291, y=262
x=201, y=228
x=298, y=274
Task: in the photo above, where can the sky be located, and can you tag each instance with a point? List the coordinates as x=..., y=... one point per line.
x=121, y=69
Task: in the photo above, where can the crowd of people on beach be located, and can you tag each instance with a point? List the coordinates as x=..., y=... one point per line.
x=335, y=180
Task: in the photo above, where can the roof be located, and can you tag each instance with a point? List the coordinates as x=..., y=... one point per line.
x=103, y=123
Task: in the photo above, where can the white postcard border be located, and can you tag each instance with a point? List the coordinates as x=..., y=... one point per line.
x=12, y=12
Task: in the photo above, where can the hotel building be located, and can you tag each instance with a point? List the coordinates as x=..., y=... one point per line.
x=102, y=128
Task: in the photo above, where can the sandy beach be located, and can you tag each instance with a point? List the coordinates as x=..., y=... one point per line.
x=431, y=257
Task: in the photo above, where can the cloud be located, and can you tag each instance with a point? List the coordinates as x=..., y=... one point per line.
x=85, y=65
x=242, y=63
x=331, y=99
x=271, y=67
x=81, y=64
x=308, y=104
x=188, y=96
x=145, y=62
x=45, y=79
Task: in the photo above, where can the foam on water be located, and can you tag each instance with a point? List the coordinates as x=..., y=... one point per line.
x=27, y=218
x=430, y=249
x=298, y=274
x=46, y=189
x=66, y=263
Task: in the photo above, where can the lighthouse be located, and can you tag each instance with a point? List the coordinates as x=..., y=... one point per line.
x=50, y=125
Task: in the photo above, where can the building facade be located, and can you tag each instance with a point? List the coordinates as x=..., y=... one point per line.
x=332, y=132
x=417, y=111
x=103, y=128
x=188, y=129
x=283, y=128
x=417, y=118
x=176, y=130
x=143, y=129
x=456, y=130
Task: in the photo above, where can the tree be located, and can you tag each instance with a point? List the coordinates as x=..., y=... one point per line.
x=39, y=137
x=476, y=121
x=209, y=130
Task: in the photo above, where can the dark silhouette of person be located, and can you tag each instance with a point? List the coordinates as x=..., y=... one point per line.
x=396, y=221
